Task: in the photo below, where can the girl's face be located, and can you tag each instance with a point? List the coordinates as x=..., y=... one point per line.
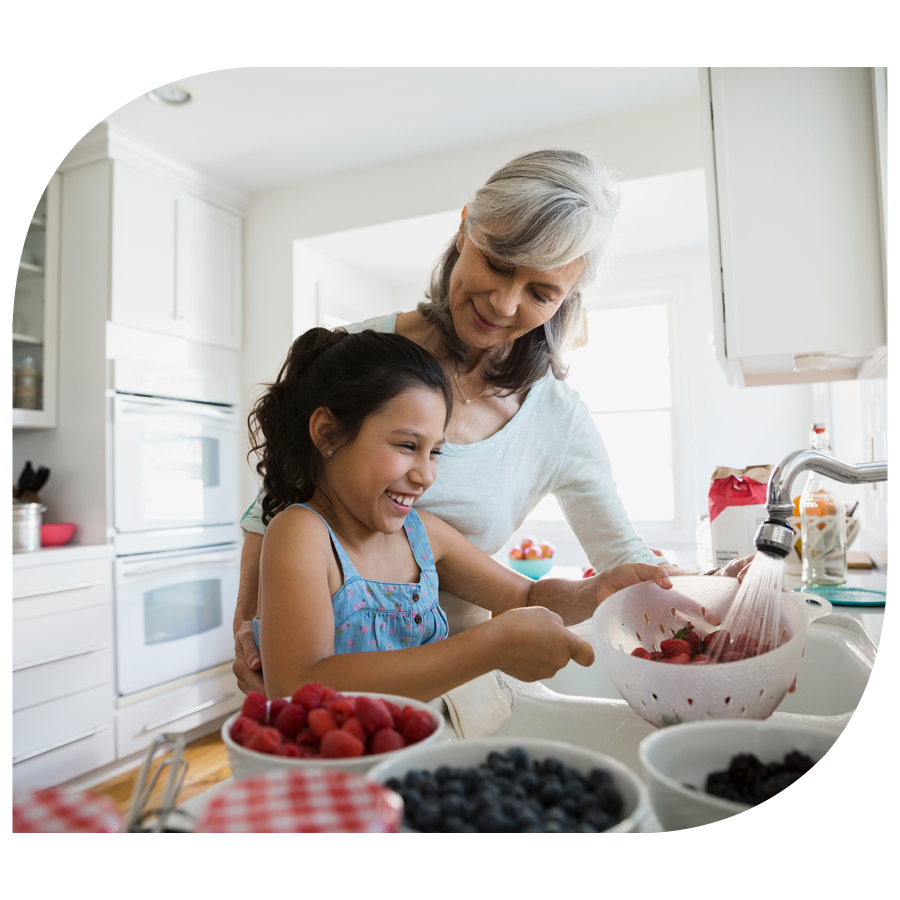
x=392, y=462
x=493, y=303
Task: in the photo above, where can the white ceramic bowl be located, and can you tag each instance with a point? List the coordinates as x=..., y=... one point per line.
x=245, y=763
x=475, y=752
x=686, y=754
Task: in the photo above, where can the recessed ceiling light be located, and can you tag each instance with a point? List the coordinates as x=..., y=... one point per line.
x=169, y=95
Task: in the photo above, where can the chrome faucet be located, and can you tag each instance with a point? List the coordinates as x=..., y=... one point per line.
x=775, y=536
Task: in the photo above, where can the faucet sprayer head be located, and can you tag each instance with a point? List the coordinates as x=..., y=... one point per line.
x=775, y=537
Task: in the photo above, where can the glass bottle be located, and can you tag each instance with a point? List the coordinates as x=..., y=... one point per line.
x=823, y=530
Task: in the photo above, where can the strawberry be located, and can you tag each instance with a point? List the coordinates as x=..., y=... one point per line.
x=255, y=707
x=732, y=656
x=291, y=719
x=264, y=740
x=588, y=573
x=641, y=653
x=373, y=714
x=717, y=642
x=688, y=634
x=339, y=743
x=309, y=695
x=675, y=647
x=242, y=728
x=320, y=722
x=746, y=644
x=700, y=659
x=355, y=728
x=418, y=727
x=679, y=659
x=385, y=740
x=275, y=707
x=657, y=656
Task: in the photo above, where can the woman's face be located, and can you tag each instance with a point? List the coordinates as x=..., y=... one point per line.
x=493, y=303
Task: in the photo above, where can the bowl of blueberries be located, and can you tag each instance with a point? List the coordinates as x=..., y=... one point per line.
x=514, y=785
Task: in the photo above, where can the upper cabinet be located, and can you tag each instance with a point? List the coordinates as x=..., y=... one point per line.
x=796, y=228
x=175, y=261
x=34, y=325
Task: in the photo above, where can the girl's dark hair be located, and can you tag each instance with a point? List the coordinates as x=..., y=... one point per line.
x=352, y=375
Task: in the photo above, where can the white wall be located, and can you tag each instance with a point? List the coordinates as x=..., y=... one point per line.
x=651, y=142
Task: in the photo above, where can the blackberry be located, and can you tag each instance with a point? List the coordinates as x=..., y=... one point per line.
x=773, y=785
x=798, y=762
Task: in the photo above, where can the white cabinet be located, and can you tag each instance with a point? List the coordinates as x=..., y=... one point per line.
x=175, y=261
x=62, y=667
x=795, y=222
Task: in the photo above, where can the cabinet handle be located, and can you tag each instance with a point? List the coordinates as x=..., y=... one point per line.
x=59, y=590
x=56, y=746
x=188, y=712
x=129, y=569
x=50, y=659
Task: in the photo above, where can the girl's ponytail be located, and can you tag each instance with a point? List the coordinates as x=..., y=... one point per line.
x=353, y=376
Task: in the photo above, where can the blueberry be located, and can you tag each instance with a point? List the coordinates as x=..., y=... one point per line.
x=551, y=766
x=443, y=773
x=492, y=820
x=428, y=816
x=554, y=827
x=495, y=759
x=585, y=828
x=599, y=778
x=530, y=782
x=598, y=819
x=453, y=786
x=456, y=824
x=453, y=805
x=609, y=800
x=527, y=818
x=570, y=805
x=393, y=784
x=413, y=778
x=551, y=791
x=412, y=800
x=428, y=786
x=518, y=757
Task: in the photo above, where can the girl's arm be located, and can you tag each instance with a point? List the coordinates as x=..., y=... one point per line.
x=297, y=630
x=471, y=574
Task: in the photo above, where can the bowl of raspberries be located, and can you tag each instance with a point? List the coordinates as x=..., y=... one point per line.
x=317, y=727
x=513, y=785
x=702, y=772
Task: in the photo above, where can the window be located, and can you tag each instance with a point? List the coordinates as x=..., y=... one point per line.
x=624, y=374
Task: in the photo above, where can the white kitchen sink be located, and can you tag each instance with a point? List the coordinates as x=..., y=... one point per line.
x=580, y=704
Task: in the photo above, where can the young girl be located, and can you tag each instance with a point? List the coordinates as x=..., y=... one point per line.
x=348, y=438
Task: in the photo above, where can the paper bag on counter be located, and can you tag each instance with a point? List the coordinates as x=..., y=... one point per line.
x=737, y=507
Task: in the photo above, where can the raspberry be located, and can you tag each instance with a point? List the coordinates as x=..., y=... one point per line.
x=339, y=743
x=679, y=659
x=641, y=653
x=255, y=707
x=385, y=740
x=288, y=748
x=341, y=709
x=275, y=707
x=291, y=719
x=328, y=694
x=355, y=728
x=373, y=714
x=320, y=722
x=264, y=740
x=305, y=738
x=307, y=752
x=242, y=728
x=394, y=710
x=406, y=715
x=309, y=695
x=418, y=728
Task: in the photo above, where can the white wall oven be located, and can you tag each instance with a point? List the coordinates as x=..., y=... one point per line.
x=174, y=614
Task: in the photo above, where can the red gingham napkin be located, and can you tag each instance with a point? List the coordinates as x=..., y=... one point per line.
x=294, y=801
x=58, y=809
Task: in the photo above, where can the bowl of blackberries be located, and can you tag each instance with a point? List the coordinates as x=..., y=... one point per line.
x=514, y=785
x=702, y=772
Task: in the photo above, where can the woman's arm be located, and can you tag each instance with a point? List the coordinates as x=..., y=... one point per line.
x=247, y=663
x=471, y=574
x=297, y=631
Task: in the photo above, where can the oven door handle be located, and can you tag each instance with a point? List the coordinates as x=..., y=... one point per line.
x=129, y=569
x=157, y=407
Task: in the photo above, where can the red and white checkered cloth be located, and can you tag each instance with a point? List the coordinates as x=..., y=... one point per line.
x=61, y=810
x=316, y=800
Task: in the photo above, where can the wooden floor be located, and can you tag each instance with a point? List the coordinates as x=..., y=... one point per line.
x=207, y=761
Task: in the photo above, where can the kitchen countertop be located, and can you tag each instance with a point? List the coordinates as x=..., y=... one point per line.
x=68, y=553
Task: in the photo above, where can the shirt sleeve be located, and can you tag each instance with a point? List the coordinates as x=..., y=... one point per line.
x=587, y=493
x=251, y=520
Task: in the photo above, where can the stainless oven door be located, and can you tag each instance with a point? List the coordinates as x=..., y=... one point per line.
x=175, y=464
x=174, y=614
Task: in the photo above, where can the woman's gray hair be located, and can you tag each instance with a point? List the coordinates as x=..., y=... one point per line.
x=543, y=210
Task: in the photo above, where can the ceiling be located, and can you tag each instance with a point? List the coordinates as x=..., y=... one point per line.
x=259, y=128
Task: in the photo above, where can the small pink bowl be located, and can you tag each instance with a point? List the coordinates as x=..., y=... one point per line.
x=56, y=534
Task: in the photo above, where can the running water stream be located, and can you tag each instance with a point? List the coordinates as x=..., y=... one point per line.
x=756, y=610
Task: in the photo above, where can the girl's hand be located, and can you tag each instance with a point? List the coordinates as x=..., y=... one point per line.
x=618, y=577
x=533, y=644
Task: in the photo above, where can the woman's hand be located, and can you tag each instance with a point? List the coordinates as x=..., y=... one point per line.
x=534, y=644
x=246, y=660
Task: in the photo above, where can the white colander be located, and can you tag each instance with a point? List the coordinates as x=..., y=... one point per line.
x=662, y=694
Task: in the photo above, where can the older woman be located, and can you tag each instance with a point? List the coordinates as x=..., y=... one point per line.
x=503, y=307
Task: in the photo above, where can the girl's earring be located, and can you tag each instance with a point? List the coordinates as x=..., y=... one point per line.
x=329, y=453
